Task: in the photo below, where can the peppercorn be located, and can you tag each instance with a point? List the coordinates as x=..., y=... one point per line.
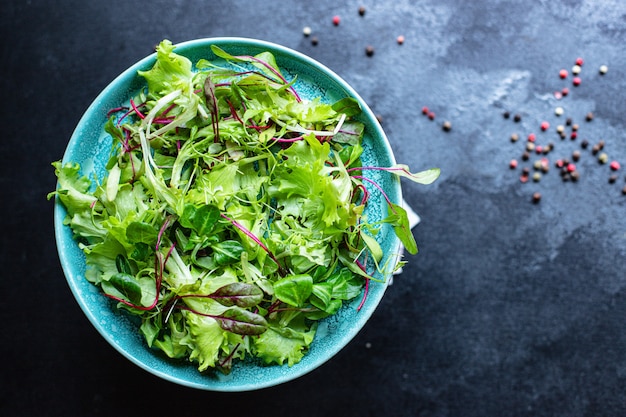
x=603, y=158
x=589, y=116
x=568, y=121
x=517, y=118
x=506, y=114
x=576, y=155
x=336, y=20
x=306, y=31
x=624, y=190
x=558, y=111
x=513, y=164
x=576, y=81
x=560, y=128
x=314, y=41
x=400, y=40
x=362, y=10
x=615, y=165
x=530, y=146
x=595, y=149
x=575, y=127
x=514, y=137
x=574, y=175
x=447, y=126
x=612, y=179
x=525, y=171
x=603, y=69
x=369, y=50
x=537, y=197
x=584, y=144
x=536, y=177
x=525, y=156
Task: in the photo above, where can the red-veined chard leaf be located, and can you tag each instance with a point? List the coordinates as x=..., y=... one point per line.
x=240, y=321
x=238, y=294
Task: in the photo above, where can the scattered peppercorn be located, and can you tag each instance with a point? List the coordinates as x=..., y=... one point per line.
x=532, y=137
x=565, y=91
x=584, y=144
x=425, y=110
x=558, y=111
x=595, y=149
x=530, y=146
x=400, y=40
x=576, y=69
x=575, y=127
x=447, y=126
x=573, y=135
x=336, y=20
x=615, y=166
x=526, y=171
x=589, y=116
x=506, y=114
x=369, y=50
x=563, y=73
x=603, y=158
x=306, y=31
x=603, y=69
x=571, y=167
x=536, y=197
x=517, y=118
x=525, y=156
x=539, y=149
x=362, y=10
x=576, y=81
x=536, y=177
x=514, y=137
x=545, y=126
x=314, y=41
x=513, y=164
x=560, y=128
x=601, y=144
x=431, y=115
x=579, y=61
x=576, y=156
x=568, y=121
x=612, y=179
x=574, y=175
x=624, y=190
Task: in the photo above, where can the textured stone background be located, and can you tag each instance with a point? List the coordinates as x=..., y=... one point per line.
x=509, y=309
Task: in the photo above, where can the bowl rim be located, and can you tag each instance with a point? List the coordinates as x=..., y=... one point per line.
x=60, y=213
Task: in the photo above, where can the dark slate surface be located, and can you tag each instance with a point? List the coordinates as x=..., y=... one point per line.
x=510, y=308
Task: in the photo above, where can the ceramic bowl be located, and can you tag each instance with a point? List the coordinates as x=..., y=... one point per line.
x=90, y=146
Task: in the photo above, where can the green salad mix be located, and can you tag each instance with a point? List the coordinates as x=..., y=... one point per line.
x=231, y=216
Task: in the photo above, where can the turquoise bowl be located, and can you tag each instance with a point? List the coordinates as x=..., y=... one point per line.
x=90, y=146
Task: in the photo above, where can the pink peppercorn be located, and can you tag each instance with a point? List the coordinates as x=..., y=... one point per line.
x=571, y=167
x=615, y=165
x=431, y=115
x=513, y=163
x=565, y=91
x=563, y=73
x=425, y=110
x=539, y=149
x=576, y=81
x=574, y=135
x=336, y=20
x=545, y=126
x=559, y=163
x=531, y=137
x=400, y=40
x=579, y=61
